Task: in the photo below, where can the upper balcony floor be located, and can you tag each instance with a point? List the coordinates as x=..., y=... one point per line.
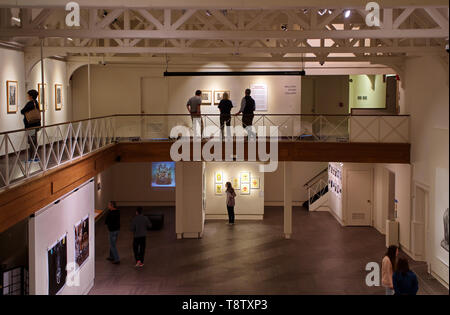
x=142, y=138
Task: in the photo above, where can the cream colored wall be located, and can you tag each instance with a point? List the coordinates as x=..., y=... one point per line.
x=302, y=172
x=247, y=206
x=118, y=89
x=427, y=99
x=11, y=69
x=334, y=202
x=132, y=186
x=371, y=86
x=104, y=189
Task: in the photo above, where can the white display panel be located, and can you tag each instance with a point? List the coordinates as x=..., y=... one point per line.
x=259, y=94
x=47, y=227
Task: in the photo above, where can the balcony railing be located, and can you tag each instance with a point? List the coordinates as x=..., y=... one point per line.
x=22, y=157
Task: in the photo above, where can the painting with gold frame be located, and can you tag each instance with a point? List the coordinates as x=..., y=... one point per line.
x=11, y=96
x=219, y=177
x=245, y=189
x=218, y=96
x=58, y=96
x=236, y=182
x=255, y=183
x=40, y=96
x=245, y=177
x=206, y=97
x=219, y=189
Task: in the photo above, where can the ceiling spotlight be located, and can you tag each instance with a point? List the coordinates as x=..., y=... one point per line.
x=347, y=14
x=322, y=12
x=15, y=19
x=330, y=12
x=208, y=13
x=68, y=38
x=284, y=27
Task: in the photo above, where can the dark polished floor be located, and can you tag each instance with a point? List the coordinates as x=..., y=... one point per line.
x=248, y=258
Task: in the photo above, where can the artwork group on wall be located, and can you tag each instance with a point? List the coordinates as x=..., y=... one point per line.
x=57, y=262
x=335, y=180
x=82, y=241
x=58, y=96
x=244, y=182
x=163, y=174
x=11, y=96
x=206, y=97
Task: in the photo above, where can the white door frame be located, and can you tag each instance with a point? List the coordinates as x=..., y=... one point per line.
x=426, y=189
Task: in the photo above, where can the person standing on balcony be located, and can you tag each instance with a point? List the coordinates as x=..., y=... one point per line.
x=193, y=105
x=113, y=222
x=248, y=107
x=30, y=122
x=387, y=269
x=225, y=107
x=139, y=227
x=231, y=195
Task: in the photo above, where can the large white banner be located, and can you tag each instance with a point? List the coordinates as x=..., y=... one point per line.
x=259, y=94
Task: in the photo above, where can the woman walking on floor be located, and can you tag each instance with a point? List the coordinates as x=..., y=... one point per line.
x=387, y=269
x=231, y=195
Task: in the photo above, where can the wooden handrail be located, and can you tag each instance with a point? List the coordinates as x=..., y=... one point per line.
x=307, y=184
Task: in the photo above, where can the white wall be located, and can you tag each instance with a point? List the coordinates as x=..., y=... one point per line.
x=49, y=225
x=11, y=69
x=247, y=206
x=54, y=73
x=301, y=173
x=104, y=188
x=335, y=202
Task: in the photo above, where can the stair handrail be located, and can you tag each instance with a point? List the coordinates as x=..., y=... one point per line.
x=313, y=180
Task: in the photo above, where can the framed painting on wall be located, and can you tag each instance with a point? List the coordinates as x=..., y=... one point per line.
x=236, y=183
x=219, y=177
x=218, y=96
x=40, y=98
x=245, y=177
x=11, y=96
x=81, y=241
x=58, y=96
x=245, y=189
x=206, y=97
x=219, y=189
x=255, y=183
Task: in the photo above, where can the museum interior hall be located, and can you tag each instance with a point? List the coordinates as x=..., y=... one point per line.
x=206, y=147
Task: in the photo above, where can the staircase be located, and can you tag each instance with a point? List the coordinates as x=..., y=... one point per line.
x=317, y=188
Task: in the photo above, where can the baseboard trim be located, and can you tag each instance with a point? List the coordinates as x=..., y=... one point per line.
x=238, y=217
x=438, y=278
x=281, y=203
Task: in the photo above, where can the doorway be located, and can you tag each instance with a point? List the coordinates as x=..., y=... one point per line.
x=359, y=202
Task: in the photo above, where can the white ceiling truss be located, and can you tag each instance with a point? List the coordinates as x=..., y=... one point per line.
x=304, y=33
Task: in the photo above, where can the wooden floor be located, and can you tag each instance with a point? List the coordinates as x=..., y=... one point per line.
x=248, y=258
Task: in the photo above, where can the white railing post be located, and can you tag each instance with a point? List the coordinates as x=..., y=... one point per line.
x=6, y=160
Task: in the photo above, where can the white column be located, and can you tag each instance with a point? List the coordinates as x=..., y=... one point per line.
x=287, y=200
x=179, y=199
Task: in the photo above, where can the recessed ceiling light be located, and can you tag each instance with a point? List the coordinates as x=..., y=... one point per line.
x=347, y=14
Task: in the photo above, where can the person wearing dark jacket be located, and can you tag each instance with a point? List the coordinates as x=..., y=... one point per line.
x=248, y=107
x=225, y=107
x=32, y=134
x=139, y=227
x=404, y=280
x=113, y=222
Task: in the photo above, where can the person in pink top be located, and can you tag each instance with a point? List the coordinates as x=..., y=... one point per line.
x=387, y=269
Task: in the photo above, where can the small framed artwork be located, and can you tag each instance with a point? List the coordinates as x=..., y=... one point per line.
x=236, y=183
x=219, y=189
x=218, y=96
x=219, y=177
x=255, y=182
x=245, y=177
x=245, y=189
x=58, y=96
x=206, y=97
x=11, y=96
x=40, y=98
